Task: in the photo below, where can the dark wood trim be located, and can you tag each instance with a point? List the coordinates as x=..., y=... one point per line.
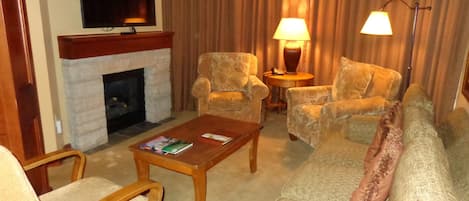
x=19, y=94
x=465, y=86
x=82, y=46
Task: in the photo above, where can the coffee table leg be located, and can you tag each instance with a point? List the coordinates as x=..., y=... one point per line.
x=253, y=153
x=199, y=178
x=143, y=169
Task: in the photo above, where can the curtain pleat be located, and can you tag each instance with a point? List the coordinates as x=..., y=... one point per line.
x=248, y=26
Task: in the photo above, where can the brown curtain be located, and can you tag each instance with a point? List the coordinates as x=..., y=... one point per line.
x=248, y=26
x=216, y=25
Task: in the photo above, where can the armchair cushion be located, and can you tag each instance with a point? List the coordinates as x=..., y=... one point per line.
x=90, y=188
x=231, y=72
x=228, y=101
x=352, y=80
x=384, y=83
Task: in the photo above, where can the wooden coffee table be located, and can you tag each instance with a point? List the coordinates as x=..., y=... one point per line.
x=203, y=155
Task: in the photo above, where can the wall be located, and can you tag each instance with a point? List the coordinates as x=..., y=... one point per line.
x=42, y=73
x=49, y=19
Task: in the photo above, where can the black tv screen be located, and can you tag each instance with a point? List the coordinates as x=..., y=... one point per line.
x=117, y=13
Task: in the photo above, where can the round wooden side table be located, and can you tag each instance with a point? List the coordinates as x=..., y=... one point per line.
x=279, y=83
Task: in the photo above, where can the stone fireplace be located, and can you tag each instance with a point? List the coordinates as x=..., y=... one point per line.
x=84, y=90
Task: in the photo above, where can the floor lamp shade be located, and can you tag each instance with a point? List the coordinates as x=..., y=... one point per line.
x=292, y=30
x=377, y=24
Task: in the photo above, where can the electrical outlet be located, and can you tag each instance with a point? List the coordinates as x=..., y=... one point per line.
x=58, y=126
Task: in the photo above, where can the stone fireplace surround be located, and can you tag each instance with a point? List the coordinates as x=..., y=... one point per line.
x=84, y=91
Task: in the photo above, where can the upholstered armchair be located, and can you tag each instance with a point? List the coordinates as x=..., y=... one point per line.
x=227, y=86
x=14, y=184
x=360, y=92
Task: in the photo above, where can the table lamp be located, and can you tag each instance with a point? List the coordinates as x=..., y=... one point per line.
x=378, y=24
x=294, y=31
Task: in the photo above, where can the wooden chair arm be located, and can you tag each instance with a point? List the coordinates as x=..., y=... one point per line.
x=130, y=191
x=78, y=166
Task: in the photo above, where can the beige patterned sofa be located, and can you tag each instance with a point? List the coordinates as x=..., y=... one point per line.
x=427, y=170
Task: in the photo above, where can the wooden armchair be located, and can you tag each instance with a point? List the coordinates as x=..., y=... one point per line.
x=14, y=184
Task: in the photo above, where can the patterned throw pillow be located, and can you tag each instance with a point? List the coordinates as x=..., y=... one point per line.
x=392, y=117
x=376, y=183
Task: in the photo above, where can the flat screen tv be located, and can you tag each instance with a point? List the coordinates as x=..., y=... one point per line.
x=117, y=13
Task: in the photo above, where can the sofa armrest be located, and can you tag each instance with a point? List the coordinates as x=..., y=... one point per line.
x=201, y=87
x=78, y=166
x=256, y=88
x=345, y=108
x=317, y=95
x=130, y=191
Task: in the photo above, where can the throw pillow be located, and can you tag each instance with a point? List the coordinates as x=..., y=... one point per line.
x=376, y=183
x=352, y=80
x=392, y=118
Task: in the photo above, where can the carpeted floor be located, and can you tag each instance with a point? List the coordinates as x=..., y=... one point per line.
x=230, y=180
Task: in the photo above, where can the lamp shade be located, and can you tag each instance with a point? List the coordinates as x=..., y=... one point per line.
x=377, y=24
x=292, y=29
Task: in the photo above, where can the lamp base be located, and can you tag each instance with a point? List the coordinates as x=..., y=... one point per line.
x=292, y=58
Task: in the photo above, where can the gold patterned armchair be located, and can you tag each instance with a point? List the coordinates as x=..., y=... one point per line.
x=360, y=92
x=15, y=186
x=227, y=86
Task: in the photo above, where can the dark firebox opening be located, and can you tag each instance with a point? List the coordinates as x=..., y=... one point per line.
x=124, y=98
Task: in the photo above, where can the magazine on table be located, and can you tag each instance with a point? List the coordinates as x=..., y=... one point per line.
x=165, y=144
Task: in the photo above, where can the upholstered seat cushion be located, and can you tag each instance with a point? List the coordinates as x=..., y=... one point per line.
x=91, y=188
x=423, y=172
x=227, y=101
x=304, y=119
x=332, y=172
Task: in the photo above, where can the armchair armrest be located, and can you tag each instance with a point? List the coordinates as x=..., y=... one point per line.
x=317, y=95
x=130, y=191
x=78, y=166
x=256, y=88
x=345, y=108
x=201, y=87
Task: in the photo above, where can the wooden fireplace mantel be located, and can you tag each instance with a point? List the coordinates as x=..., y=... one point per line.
x=92, y=45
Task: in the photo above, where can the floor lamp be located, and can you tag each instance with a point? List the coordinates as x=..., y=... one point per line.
x=378, y=24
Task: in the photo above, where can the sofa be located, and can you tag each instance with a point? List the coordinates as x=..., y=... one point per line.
x=433, y=166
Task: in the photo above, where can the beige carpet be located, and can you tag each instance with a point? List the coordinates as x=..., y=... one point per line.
x=230, y=180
